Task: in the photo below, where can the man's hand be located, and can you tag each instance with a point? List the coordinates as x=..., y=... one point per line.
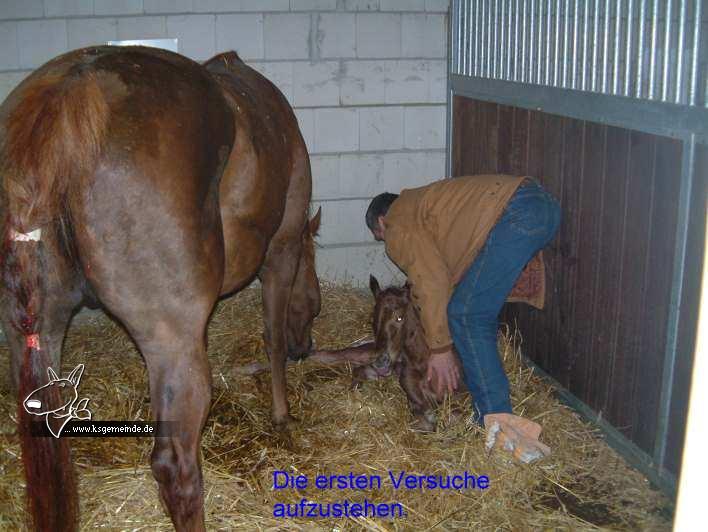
x=444, y=372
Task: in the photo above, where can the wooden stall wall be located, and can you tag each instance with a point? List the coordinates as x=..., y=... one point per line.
x=603, y=332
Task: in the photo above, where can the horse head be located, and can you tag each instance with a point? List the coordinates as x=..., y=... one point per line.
x=305, y=299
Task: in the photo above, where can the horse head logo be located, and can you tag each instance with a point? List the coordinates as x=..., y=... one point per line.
x=69, y=406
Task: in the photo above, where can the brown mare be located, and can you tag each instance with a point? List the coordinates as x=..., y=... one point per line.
x=159, y=185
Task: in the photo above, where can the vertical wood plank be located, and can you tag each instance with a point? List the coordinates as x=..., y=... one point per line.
x=534, y=165
x=552, y=161
x=637, y=233
x=534, y=168
x=588, y=237
x=487, y=138
x=518, y=161
x=505, y=138
x=572, y=180
x=463, y=126
x=609, y=261
x=518, y=155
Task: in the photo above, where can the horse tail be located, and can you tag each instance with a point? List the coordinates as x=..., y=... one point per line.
x=51, y=484
x=53, y=136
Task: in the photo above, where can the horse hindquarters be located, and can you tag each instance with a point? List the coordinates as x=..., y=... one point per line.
x=148, y=232
x=163, y=290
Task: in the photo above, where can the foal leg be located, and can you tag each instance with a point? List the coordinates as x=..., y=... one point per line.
x=424, y=418
x=277, y=275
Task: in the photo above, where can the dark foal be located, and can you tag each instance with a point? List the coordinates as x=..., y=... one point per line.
x=158, y=185
x=401, y=348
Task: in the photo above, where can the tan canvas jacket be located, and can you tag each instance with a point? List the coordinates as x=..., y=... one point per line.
x=434, y=233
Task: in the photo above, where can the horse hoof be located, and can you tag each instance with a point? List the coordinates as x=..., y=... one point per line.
x=285, y=423
x=298, y=356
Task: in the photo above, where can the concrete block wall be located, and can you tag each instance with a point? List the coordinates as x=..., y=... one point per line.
x=367, y=79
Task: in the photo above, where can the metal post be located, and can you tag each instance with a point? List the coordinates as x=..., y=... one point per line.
x=678, y=97
x=452, y=44
x=693, y=94
x=628, y=55
x=652, y=60
x=640, y=50
x=667, y=376
x=667, y=52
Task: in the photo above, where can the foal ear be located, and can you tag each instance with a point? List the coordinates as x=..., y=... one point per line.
x=315, y=222
x=75, y=376
x=374, y=285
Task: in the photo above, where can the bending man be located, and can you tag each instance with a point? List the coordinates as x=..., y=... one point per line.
x=463, y=243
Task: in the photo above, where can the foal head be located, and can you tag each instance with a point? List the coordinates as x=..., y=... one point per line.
x=394, y=321
x=305, y=298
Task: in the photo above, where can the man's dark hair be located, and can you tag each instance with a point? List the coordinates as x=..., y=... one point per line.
x=378, y=207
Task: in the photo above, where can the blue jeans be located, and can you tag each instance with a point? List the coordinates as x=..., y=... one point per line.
x=529, y=221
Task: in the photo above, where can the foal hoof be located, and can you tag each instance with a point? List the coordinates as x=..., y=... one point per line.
x=285, y=423
x=423, y=425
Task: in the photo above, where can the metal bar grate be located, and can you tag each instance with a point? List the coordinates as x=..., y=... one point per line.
x=648, y=49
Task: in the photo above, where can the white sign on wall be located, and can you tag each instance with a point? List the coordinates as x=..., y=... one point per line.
x=165, y=44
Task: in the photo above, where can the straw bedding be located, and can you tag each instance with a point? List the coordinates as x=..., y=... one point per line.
x=584, y=485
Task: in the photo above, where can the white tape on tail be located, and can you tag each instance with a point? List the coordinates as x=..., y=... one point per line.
x=35, y=236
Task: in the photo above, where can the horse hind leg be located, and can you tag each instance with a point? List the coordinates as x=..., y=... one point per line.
x=172, y=339
x=169, y=328
x=180, y=395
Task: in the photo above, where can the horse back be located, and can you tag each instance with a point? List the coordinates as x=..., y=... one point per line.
x=266, y=185
x=268, y=141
